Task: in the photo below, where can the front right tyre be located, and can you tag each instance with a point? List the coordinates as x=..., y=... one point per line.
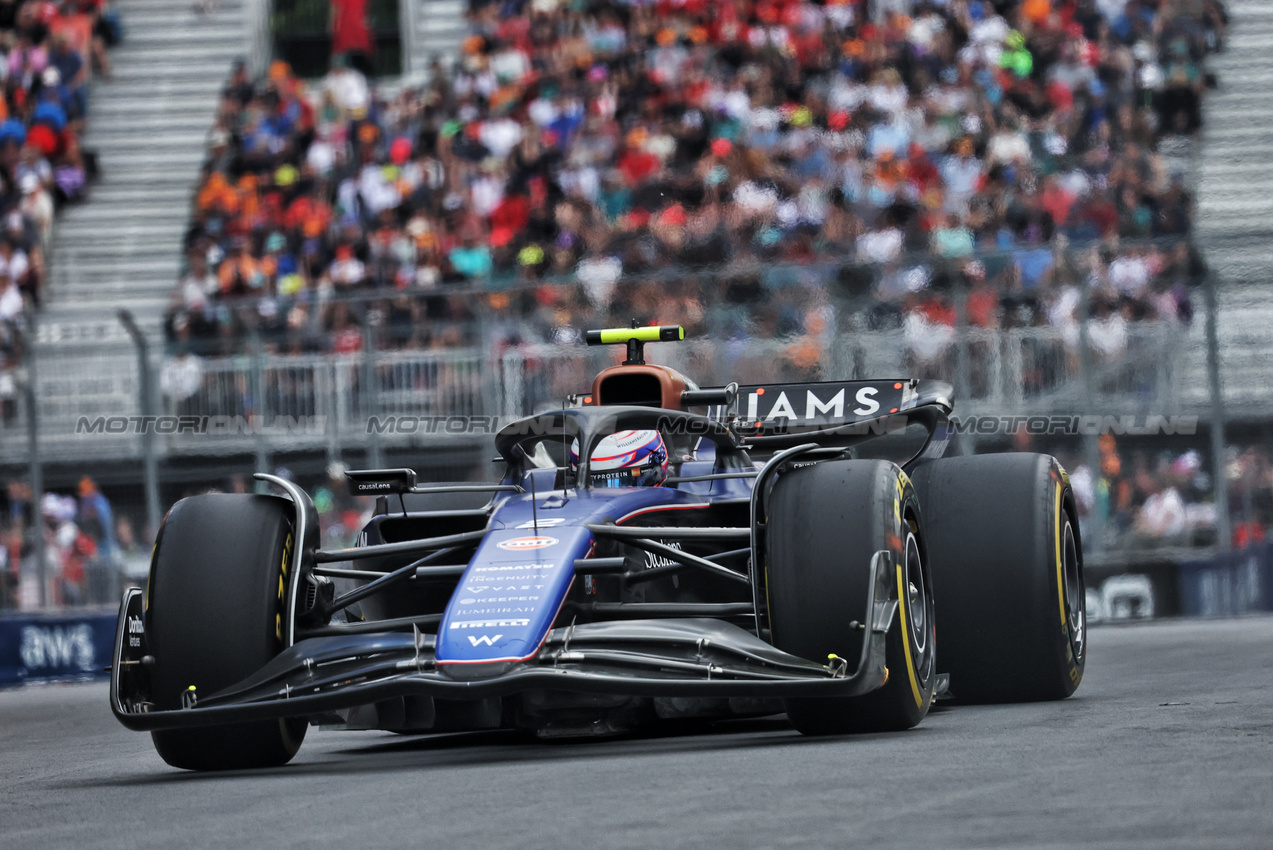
x=214, y=615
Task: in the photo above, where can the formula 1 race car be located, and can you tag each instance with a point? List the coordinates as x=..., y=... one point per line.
x=653, y=551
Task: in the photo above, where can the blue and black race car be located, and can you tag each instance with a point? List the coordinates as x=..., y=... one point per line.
x=653, y=551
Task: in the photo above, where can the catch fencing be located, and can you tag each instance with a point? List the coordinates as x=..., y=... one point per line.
x=994, y=371
x=89, y=400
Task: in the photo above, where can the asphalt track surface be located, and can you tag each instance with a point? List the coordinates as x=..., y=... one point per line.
x=1168, y=743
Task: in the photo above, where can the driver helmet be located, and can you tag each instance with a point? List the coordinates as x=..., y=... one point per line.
x=626, y=459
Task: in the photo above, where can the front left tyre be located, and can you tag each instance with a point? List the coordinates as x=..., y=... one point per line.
x=214, y=615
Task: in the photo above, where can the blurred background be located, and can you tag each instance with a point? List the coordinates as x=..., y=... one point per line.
x=266, y=224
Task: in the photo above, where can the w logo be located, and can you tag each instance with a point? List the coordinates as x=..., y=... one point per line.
x=484, y=639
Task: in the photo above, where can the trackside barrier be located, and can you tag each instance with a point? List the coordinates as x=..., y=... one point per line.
x=37, y=647
x=1230, y=583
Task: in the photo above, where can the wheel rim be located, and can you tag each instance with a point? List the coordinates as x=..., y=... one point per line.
x=1075, y=594
x=918, y=610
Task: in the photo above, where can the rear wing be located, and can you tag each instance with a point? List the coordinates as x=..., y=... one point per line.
x=780, y=408
x=840, y=413
x=773, y=409
x=831, y=413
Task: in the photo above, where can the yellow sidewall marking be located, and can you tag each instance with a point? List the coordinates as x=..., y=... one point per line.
x=290, y=744
x=1060, y=585
x=906, y=642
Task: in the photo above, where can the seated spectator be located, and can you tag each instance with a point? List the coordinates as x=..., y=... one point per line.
x=575, y=147
x=1162, y=516
x=47, y=69
x=181, y=380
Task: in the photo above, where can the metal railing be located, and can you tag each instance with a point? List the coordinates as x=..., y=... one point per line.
x=302, y=401
x=88, y=396
x=998, y=371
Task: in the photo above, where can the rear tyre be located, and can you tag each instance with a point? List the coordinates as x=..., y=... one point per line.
x=214, y=615
x=1008, y=570
x=826, y=521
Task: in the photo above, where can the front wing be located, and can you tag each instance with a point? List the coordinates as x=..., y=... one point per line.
x=666, y=657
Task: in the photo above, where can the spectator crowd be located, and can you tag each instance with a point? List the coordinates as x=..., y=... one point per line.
x=591, y=159
x=49, y=52
x=86, y=547
x=1163, y=498
x=93, y=549
x=1146, y=497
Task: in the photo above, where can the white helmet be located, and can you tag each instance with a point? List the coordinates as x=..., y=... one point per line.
x=626, y=459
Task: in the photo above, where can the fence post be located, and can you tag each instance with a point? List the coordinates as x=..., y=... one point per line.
x=412, y=61
x=256, y=415
x=1220, y=483
x=36, y=466
x=490, y=362
x=146, y=405
x=1167, y=346
x=1095, y=540
x=325, y=389
x=370, y=393
x=512, y=372
x=258, y=36
x=963, y=380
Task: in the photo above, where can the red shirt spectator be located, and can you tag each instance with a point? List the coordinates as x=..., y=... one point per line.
x=350, y=32
x=346, y=340
x=637, y=165
x=512, y=213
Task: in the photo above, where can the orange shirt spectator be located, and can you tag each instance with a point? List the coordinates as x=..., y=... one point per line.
x=307, y=209
x=240, y=273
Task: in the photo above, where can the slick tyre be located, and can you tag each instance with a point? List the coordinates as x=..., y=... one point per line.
x=214, y=615
x=825, y=523
x=1007, y=571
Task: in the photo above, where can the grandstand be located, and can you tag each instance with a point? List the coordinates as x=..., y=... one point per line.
x=149, y=124
x=98, y=274
x=123, y=249
x=1027, y=208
